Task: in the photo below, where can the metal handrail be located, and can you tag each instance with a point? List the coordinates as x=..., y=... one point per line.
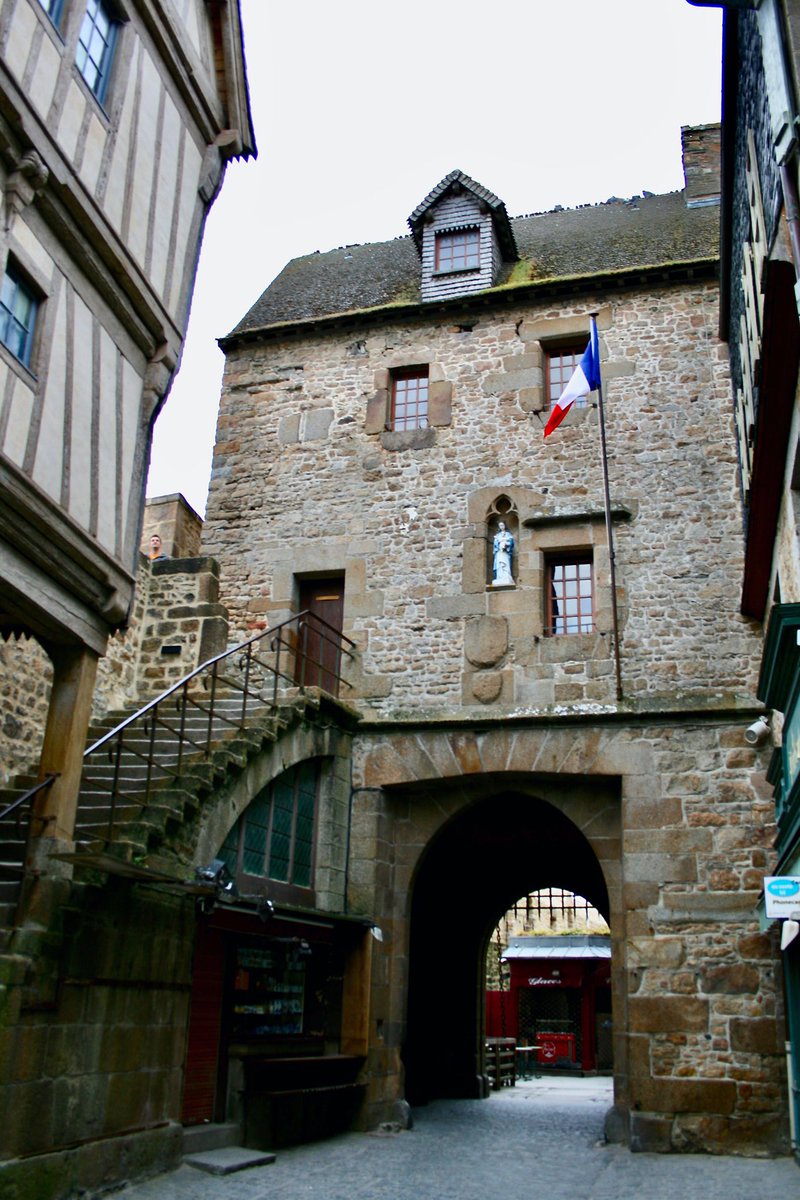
x=27, y=798
x=247, y=670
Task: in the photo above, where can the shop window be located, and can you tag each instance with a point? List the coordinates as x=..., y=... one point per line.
x=18, y=310
x=409, y=399
x=458, y=250
x=560, y=363
x=570, y=595
x=274, y=838
x=96, y=43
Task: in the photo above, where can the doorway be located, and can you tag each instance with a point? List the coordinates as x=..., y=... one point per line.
x=318, y=660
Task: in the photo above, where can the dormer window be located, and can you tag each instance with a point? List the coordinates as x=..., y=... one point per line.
x=458, y=250
x=409, y=399
x=464, y=239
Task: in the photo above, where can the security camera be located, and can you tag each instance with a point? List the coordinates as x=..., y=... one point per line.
x=757, y=733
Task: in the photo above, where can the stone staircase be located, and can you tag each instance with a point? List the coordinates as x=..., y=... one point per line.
x=159, y=785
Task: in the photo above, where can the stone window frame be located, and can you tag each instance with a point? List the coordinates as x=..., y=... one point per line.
x=378, y=420
x=575, y=347
x=571, y=532
x=541, y=335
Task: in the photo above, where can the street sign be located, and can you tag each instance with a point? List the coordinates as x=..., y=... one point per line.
x=782, y=895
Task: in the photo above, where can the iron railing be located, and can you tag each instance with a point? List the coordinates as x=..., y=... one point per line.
x=219, y=697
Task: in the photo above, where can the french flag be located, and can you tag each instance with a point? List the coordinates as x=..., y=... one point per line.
x=585, y=379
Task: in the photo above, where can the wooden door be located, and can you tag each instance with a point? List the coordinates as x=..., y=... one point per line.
x=203, y=1042
x=318, y=648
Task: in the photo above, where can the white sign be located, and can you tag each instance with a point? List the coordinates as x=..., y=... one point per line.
x=782, y=895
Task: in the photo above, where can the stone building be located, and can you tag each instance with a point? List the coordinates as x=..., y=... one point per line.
x=760, y=266
x=381, y=419
x=251, y=944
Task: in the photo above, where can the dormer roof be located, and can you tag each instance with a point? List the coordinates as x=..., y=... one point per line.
x=453, y=184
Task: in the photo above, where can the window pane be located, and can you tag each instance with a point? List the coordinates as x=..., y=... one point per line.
x=277, y=830
x=256, y=825
x=570, y=597
x=458, y=251
x=410, y=401
x=560, y=366
x=53, y=9
x=95, y=46
x=230, y=850
x=18, y=307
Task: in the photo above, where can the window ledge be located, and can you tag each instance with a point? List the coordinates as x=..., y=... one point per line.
x=537, y=520
x=408, y=439
x=27, y=376
x=439, y=274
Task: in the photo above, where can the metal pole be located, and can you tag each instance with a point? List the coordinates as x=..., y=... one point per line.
x=609, y=531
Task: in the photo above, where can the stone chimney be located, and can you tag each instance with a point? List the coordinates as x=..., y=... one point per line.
x=702, y=148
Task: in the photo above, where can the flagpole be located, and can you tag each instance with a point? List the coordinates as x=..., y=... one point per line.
x=609, y=531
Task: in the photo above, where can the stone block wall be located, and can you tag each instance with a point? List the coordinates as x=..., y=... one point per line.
x=178, y=525
x=26, y=675
x=697, y=1006
x=94, y=1084
x=409, y=526
x=183, y=625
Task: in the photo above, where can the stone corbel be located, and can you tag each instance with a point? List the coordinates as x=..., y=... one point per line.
x=23, y=184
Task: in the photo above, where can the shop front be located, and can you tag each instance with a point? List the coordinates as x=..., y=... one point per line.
x=278, y=1025
x=558, y=1005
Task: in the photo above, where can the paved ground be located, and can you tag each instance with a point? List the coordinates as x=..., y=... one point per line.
x=538, y=1141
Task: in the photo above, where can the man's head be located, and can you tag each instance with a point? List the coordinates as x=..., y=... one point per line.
x=155, y=544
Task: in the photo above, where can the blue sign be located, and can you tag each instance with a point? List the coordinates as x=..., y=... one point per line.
x=783, y=887
x=782, y=895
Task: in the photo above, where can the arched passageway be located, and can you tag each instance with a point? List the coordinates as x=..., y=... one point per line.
x=474, y=869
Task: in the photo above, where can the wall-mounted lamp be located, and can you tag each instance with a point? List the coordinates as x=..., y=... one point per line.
x=216, y=872
x=757, y=733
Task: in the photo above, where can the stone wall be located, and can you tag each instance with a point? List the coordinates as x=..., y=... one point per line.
x=94, y=1083
x=178, y=525
x=409, y=526
x=25, y=680
x=697, y=1009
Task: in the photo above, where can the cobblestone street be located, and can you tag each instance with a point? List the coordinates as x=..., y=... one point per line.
x=541, y=1139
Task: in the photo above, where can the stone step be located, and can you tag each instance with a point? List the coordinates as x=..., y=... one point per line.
x=211, y=1135
x=229, y=1159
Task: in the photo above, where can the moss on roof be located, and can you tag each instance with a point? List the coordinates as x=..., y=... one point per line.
x=570, y=244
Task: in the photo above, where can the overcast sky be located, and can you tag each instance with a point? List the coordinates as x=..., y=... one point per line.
x=361, y=107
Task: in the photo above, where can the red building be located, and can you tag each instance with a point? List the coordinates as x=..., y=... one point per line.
x=559, y=1000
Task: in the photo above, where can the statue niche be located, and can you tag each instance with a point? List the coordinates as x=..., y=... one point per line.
x=501, y=524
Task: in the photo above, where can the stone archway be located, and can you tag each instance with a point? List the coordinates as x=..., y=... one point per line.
x=411, y=788
x=509, y=841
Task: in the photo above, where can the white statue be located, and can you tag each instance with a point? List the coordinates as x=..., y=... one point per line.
x=503, y=547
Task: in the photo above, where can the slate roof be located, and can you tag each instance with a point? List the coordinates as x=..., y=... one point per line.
x=569, y=946
x=573, y=244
